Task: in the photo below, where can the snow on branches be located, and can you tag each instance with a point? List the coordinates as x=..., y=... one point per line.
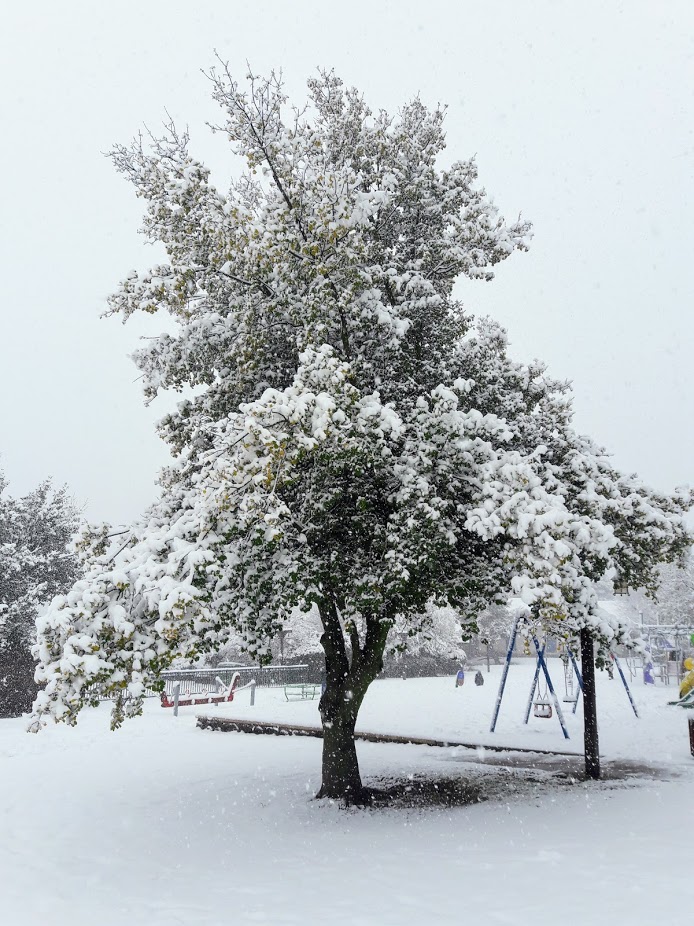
x=35, y=556
x=36, y=562
x=355, y=441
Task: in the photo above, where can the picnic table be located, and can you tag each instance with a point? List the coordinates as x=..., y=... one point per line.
x=302, y=691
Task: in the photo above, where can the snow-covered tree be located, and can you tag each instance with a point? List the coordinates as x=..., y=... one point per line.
x=494, y=626
x=35, y=564
x=355, y=442
x=439, y=633
x=675, y=601
x=303, y=632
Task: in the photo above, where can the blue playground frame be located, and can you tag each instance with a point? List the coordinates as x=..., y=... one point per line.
x=541, y=666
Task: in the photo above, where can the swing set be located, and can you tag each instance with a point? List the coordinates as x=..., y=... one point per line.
x=543, y=697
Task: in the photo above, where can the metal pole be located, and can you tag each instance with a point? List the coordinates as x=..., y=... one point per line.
x=176, y=694
x=624, y=681
x=534, y=686
x=578, y=676
x=504, y=674
x=252, y=693
x=550, y=687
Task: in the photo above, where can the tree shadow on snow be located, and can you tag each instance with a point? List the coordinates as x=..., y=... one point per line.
x=503, y=783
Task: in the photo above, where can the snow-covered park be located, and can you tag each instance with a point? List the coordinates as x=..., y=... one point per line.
x=164, y=823
x=406, y=381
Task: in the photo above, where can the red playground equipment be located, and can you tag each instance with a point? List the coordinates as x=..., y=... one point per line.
x=190, y=698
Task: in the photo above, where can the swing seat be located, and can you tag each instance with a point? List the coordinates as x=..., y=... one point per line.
x=542, y=709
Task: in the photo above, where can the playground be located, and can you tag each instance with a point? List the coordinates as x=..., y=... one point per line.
x=163, y=823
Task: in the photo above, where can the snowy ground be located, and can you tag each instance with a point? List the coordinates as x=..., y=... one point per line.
x=162, y=823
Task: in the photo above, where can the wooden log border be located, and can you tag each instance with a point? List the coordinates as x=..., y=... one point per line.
x=232, y=725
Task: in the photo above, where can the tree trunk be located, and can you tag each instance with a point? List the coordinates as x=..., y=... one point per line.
x=347, y=678
x=341, y=778
x=339, y=706
x=590, y=714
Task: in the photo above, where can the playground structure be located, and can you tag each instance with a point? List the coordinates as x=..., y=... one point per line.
x=686, y=698
x=542, y=702
x=272, y=676
x=685, y=701
x=189, y=697
x=687, y=685
x=667, y=646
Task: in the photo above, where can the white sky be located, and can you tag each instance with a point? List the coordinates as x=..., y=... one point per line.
x=581, y=116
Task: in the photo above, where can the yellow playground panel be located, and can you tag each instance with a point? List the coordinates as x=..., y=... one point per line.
x=688, y=680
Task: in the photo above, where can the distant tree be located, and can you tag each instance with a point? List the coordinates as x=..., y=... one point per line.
x=439, y=633
x=494, y=627
x=231, y=651
x=303, y=632
x=675, y=599
x=35, y=564
x=355, y=441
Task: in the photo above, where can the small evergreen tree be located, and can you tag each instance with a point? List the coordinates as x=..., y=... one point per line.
x=35, y=564
x=355, y=443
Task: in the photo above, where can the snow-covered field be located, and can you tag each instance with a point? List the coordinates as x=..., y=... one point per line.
x=162, y=823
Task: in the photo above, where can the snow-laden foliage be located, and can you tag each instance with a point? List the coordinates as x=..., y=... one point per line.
x=494, y=626
x=355, y=443
x=675, y=601
x=35, y=564
x=439, y=633
x=303, y=632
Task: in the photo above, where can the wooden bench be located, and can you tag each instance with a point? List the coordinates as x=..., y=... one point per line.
x=302, y=691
